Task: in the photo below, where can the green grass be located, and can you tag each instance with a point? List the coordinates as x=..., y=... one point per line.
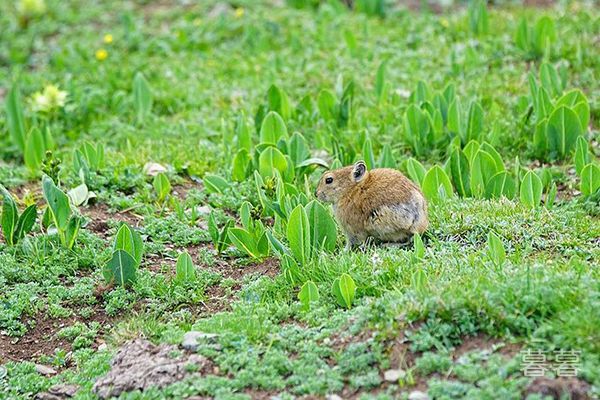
x=210, y=65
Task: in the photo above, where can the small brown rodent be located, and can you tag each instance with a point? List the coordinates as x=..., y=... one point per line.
x=381, y=204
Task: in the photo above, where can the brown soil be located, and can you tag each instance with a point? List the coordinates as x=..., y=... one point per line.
x=100, y=215
x=42, y=339
x=571, y=388
x=483, y=342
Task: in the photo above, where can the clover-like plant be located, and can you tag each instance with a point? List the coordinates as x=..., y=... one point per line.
x=59, y=215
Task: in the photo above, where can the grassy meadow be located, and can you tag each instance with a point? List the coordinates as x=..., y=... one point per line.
x=158, y=162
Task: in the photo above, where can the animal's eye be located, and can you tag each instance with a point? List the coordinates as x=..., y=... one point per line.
x=329, y=180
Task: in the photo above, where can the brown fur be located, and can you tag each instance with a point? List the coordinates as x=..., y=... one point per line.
x=382, y=204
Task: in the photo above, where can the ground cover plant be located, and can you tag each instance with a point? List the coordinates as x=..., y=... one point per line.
x=158, y=162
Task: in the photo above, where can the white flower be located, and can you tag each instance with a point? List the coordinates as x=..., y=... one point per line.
x=50, y=99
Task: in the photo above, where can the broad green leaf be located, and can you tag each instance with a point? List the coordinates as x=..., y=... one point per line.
x=142, y=97
x=483, y=168
x=271, y=159
x=576, y=100
x=436, y=184
x=531, y=190
x=129, y=240
x=279, y=102
x=244, y=241
x=550, y=80
x=121, y=269
x=501, y=184
x=386, y=158
x=215, y=184
x=495, y=155
x=14, y=117
x=243, y=134
x=79, y=194
x=298, y=148
x=582, y=154
x=590, y=179
x=474, y=123
x=496, y=250
x=562, y=131
x=419, y=247
x=323, y=229
x=459, y=167
x=298, y=235
x=162, y=186
x=455, y=123
x=313, y=161
x=184, y=269
x=471, y=150
x=326, y=102
x=58, y=202
x=35, y=150
x=419, y=280
x=551, y=196
x=273, y=128
x=416, y=171
x=344, y=290
x=309, y=293
x=241, y=166
x=368, y=155
x=10, y=216
x=25, y=222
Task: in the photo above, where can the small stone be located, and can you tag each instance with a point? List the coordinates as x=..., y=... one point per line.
x=64, y=390
x=153, y=169
x=333, y=397
x=203, y=210
x=44, y=370
x=191, y=339
x=102, y=347
x=393, y=375
x=418, y=395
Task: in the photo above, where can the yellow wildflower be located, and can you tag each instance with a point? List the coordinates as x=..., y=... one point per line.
x=108, y=38
x=31, y=8
x=444, y=22
x=239, y=12
x=101, y=54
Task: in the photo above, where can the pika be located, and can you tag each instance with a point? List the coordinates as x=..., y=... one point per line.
x=381, y=204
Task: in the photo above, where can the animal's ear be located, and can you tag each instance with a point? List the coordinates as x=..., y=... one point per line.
x=359, y=171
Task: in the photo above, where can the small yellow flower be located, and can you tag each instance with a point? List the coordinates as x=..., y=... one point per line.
x=101, y=54
x=31, y=8
x=444, y=22
x=51, y=98
x=108, y=38
x=239, y=12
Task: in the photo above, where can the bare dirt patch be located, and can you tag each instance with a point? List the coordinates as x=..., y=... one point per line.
x=42, y=339
x=99, y=215
x=559, y=388
x=139, y=365
x=483, y=342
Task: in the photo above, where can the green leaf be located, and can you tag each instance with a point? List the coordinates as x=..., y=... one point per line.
x=273, y=128
x=25, y=222
x=496, y=250
x=550, y=80
x=368, y=154
x=142, y=97
x=215, y=184
x=130, y=240
x=279, y=102
x=10, y=216
x=14, y=117
x=551, y=196
x=531, y=190
x=70, y=234
x=121, y=269
x=419, y=280
x=576, y=100
x=562, y=131
x=436, y=184
x=271, y=159
x=416, y=171
x=419, y=247
x=298, y=235
x=162, y=186
x=483, y=167
x=58, y=202
x=241, y=166
x=35, y=150
x=501, y=184
x=313, y=161
x=590, y=179
x=344, y=290
x=386, y=158
x=326, y=104
x=474, y=123
x=323, y=229
x=309, y=293
x=459, y=167
x=244, y=241
x=298, y=148
x=582, y=154
x=184, y=269
x=455, y=123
